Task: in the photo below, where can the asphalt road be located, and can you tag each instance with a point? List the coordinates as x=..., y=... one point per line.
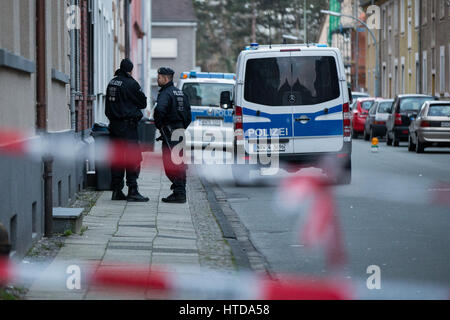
x=387, y=219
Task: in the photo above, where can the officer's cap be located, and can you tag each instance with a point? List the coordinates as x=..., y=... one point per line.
x=166, y=71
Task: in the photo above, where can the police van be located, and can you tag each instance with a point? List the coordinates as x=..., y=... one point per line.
x=297, y=94
x=211, y=125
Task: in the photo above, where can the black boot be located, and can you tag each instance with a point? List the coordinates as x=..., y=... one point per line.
x=135, y=196
x=118, y=195
x=175, y=198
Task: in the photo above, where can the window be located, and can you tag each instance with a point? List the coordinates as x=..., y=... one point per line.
x=413, y=104
x=442, y=70
x=205, y=94
x=384, y=23
x=286, y=81
x=439, y=110
x=442, y=9
x=416, y=13
x=396, y=20
x=433, y=9
x=424, y=11
x=402, y=16
x=366, y=105
x=389, y=40
x=409, y=28
x=385, y=107
x=164, y=48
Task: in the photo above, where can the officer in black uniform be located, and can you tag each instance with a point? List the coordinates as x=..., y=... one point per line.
x=172, y=112
x=124, y=99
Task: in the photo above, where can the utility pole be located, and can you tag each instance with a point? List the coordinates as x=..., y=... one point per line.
x=356, y=49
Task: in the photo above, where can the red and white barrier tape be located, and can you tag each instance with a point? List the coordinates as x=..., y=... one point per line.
x=240, y=286
x=321, y=226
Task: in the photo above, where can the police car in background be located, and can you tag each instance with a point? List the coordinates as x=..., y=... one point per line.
x=211, y=124
x=298, y=94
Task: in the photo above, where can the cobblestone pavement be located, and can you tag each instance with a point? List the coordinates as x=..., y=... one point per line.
x=145, y=234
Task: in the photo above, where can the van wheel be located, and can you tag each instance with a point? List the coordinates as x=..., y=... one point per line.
x=411, y=145
x=345, y=177
x=241, y=174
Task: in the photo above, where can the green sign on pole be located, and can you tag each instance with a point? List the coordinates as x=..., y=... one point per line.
x=335, y=6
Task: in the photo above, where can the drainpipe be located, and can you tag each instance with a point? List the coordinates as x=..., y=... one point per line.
x=41, y=99
x=127, y=28
x=144, y=43
x=72, y=76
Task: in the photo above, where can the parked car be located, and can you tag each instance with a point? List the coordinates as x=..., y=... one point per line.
x=431, y=127
x=404, y=107
x=359, y=114
x=356, y=95
x=375, y=125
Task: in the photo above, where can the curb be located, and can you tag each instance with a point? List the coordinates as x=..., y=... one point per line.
x=238, y=251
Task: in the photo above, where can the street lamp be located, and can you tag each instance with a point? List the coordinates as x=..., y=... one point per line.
x=289, y=37
x=377, y=48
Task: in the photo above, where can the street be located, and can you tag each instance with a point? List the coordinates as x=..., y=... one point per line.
x=386, y=218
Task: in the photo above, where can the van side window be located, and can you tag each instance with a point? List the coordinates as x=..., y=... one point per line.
x=285, y=81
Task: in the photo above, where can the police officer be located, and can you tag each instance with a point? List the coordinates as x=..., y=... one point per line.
x=124, y=99
x=172, y=112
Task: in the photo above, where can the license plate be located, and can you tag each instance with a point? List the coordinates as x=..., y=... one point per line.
x=211, y=122
x=270, y=147
x=445, y=124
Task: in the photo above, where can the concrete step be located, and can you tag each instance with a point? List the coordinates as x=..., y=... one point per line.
x=67, y=219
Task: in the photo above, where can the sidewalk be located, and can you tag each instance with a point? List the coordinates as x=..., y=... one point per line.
x=145, y=234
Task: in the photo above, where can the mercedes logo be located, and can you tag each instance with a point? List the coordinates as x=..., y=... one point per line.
x=292, y=99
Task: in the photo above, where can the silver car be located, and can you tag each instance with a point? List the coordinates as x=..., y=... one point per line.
x=431, y=127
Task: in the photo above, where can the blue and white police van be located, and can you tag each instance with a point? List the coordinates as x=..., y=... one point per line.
x=211, y=125
x=298, y=94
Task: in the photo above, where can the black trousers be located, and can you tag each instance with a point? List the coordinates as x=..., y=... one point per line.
x=126, y=133
x=176, y=173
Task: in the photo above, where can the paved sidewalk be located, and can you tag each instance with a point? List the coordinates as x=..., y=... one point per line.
x=144, y=234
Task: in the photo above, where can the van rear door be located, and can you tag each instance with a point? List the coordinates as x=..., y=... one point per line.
x=266, y=110
x=317, y=102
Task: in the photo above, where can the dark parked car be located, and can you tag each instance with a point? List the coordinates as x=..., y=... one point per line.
x=431, y=127
x=404, y=107
x=375, y=125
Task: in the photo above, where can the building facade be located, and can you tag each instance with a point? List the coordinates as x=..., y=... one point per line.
x=35, y=99
x=349, y=36
x=414, y=47
x=174, y=30
x=56, y=60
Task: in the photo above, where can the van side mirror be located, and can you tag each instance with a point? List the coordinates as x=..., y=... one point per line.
x=350, y=96
x=225, y=100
